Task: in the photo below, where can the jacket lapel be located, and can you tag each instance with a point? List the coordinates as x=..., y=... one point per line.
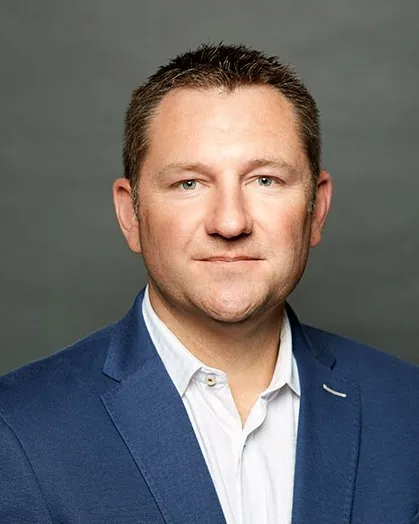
x=328, y=435
x=150, y=416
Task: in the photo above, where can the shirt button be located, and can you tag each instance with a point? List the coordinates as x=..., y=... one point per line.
x=211, y=380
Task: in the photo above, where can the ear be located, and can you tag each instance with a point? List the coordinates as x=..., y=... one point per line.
x=321, y=207
x=125, y=213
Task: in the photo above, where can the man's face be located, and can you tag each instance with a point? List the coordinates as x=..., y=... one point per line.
x=224, y=192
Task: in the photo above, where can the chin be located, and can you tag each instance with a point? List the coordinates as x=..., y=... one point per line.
x=229, y=317
x=229, y=307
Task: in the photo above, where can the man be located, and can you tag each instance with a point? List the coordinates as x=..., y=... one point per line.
x=209, y=402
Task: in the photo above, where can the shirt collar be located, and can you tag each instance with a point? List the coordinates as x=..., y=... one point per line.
x=182, y=365
x=177, y=359
x=286, y=371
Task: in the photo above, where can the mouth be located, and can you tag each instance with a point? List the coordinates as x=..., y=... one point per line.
x=230, y=259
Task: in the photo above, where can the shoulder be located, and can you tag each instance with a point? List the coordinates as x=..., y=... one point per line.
x=365, y=364
x=51, y=379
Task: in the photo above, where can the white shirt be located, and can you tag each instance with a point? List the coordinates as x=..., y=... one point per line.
x=252, y=467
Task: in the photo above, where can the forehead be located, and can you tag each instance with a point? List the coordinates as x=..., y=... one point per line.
x=216, y=126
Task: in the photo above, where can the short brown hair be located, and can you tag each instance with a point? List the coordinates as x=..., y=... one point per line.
x=217, y=66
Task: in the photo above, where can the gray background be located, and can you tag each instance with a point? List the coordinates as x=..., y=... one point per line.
x=67, y=69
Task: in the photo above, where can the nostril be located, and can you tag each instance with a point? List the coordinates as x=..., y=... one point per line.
x=229, y=238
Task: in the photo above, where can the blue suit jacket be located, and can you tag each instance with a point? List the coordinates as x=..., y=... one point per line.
x=98, y=434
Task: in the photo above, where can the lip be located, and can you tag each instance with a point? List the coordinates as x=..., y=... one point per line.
x=230, y=259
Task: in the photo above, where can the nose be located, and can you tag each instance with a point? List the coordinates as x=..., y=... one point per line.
x=229, y=216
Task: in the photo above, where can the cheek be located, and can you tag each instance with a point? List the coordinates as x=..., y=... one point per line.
x=288, y=244
x=286, y=225
x=163, y=232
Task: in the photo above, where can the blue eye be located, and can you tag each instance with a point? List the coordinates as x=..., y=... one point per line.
x=265, y=181
x=189, y=184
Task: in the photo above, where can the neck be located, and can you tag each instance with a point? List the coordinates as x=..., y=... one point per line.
x=247, y=351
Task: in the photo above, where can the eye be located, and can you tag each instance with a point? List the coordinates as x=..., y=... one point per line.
x=188, y=184
x=265, y=181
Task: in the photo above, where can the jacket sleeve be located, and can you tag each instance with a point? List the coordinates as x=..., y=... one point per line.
x=21, y=498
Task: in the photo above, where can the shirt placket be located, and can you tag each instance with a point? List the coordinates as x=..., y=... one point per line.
x=255, y=420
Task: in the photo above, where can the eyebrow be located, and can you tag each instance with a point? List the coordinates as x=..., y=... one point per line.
x=251, y=165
